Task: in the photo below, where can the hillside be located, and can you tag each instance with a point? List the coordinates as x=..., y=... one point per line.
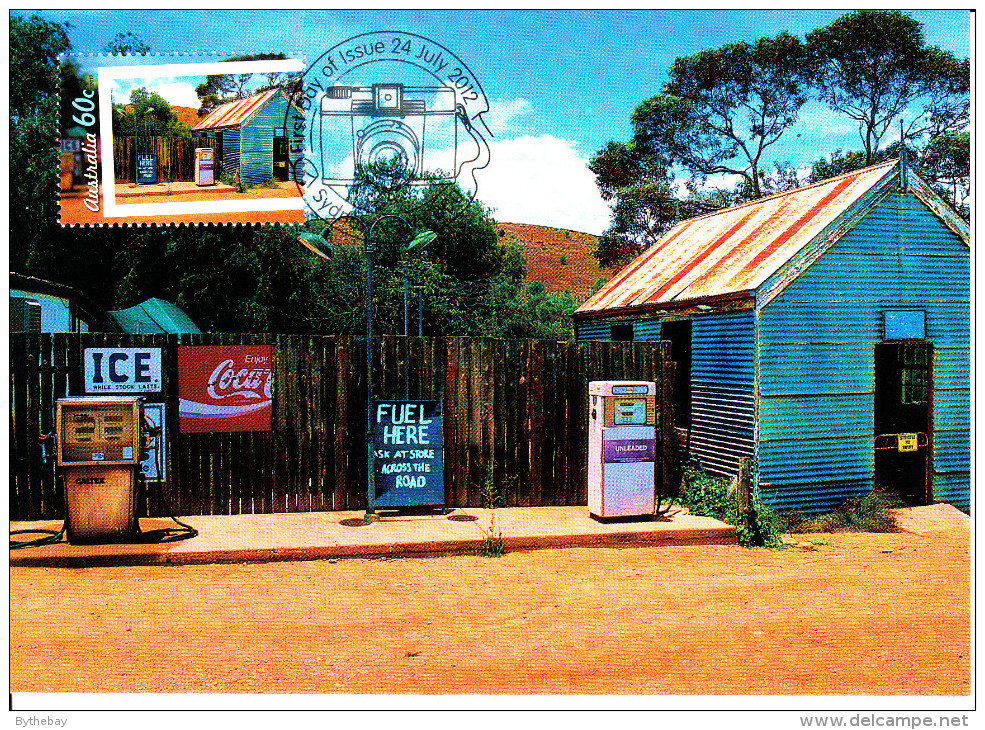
x=186, y=115
x=559, y=258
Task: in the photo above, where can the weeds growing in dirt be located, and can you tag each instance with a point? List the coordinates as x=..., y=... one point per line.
x=233, y=181
x=869, y=513
x=493, y=496
x=709, y=496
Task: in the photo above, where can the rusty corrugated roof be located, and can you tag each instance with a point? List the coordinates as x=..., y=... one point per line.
x=234, y=113
x=736, y=249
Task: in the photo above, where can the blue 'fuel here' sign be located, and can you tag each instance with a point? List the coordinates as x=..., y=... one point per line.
x=408, y=444
x=146, y=169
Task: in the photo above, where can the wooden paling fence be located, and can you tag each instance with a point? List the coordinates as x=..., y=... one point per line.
x=175, y=156
x=514, y=408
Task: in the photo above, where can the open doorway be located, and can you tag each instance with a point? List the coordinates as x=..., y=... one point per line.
x=282, y=162
x=621, y=331
x=679, y=334
x=902, y=420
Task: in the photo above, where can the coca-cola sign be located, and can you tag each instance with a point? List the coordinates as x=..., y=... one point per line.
x=225, y=388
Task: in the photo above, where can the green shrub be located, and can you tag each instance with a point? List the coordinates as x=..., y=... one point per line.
x=709, y=496
x=492, y=547
x=493, y=496
x=233, y=181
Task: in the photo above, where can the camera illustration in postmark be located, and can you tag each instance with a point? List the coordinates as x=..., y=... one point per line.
x=386, y=99
x=172, y=139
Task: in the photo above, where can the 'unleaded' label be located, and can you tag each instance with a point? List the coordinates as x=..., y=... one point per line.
x=628, y=450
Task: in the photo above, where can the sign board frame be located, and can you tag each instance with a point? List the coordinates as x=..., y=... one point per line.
x=146, y=170
x=904, y=324
x=225, y=388
x=408, y=439
x=155, y=413
x=906, y=442
x=119, y=370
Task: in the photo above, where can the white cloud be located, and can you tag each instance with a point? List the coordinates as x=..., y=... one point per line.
x=178, y=93
x=544, y=181
x=502, y=114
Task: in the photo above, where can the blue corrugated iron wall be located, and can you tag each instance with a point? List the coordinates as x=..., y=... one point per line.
x=816, y=358
x=593, y=330
x=257, y=160
x=647, y=329
x=723, y=390
x=230, y=151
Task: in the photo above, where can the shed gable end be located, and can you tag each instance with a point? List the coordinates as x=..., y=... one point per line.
x=816, y=357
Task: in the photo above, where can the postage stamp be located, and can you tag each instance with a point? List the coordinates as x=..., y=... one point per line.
x=264, y=139
x=164, y=139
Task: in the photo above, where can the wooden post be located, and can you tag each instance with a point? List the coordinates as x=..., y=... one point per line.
x=743, y=485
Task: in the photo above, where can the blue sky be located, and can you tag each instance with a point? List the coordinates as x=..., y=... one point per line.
x=560, y=83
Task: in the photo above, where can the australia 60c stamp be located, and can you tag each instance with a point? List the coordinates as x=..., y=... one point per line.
x=174, y=140
x=262, y=138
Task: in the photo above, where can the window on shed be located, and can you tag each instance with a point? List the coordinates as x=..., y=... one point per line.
x=622, y=331
x=914, y=373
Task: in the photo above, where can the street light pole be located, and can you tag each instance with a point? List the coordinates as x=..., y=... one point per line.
x=136, y=160
x=420, y=311
x=422, y=238
x=406, y=304
x=136, y=166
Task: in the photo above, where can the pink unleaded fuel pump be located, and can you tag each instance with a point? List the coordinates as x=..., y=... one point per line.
x=622, y=449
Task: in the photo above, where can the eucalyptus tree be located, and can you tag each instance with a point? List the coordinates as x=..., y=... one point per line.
x=875, y=68
x=712, y=123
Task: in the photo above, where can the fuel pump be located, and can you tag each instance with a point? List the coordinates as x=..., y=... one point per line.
x=99, y=447
x=622, y=449
x=204, y=166
x=99, y=444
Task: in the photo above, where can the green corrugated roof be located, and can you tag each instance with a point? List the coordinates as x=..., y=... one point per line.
x=154, y=316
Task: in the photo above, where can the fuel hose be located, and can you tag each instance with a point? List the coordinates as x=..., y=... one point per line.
x=168, y=534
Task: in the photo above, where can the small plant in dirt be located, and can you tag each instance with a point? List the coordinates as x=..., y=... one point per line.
x=233, y=181
x=493, y=496
x=869, y=513
x=710, y=496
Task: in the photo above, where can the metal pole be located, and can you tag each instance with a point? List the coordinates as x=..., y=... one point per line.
x=420, y=311
x=406, y=305
x=370, y=451
x=135, y=180
x=370, y=404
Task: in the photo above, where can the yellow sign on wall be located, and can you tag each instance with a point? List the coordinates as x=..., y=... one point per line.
x=906, y=441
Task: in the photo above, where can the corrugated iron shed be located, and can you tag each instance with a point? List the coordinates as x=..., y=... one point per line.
x=733, y=250
x=235, y=113
x=786, y=305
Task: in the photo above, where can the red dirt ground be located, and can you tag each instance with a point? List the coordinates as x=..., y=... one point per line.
x=860, y=615
x=73, y=210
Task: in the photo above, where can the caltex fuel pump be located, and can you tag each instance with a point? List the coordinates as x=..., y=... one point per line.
x=99, y=444
x=99, y=447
